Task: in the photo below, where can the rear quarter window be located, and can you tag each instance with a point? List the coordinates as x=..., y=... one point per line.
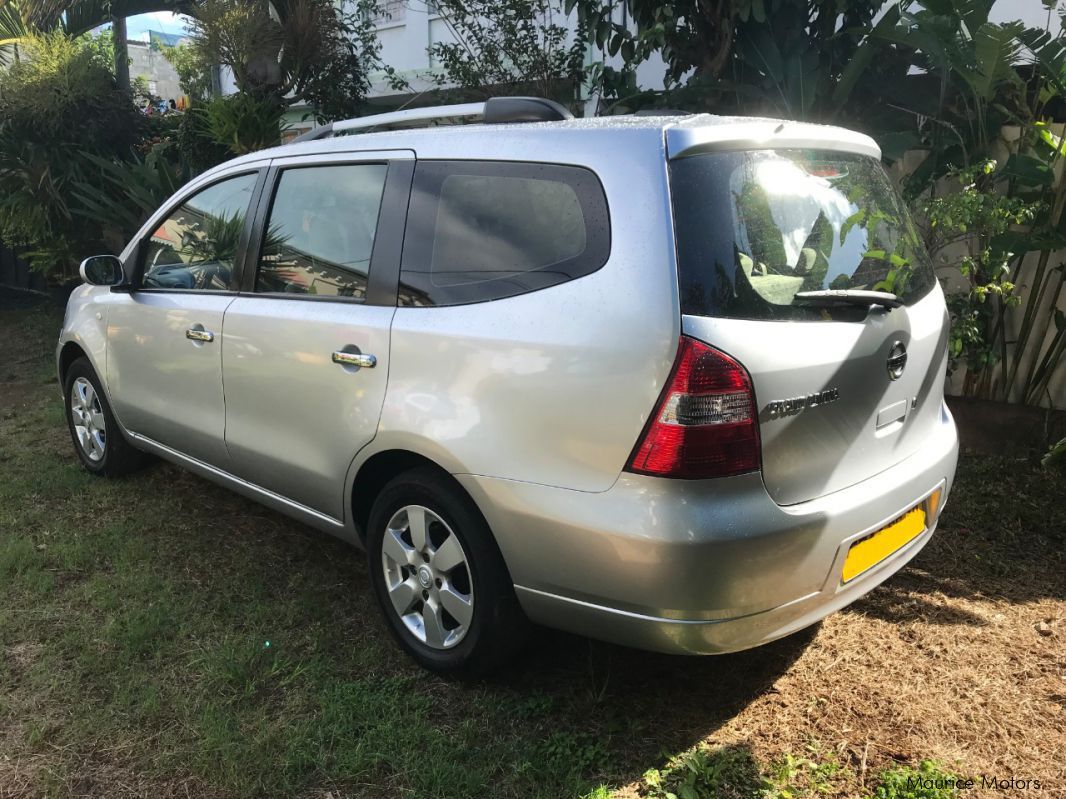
x=479, y=231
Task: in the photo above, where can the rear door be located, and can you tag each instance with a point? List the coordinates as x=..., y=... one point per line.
x=843, y=391
x=306, y=345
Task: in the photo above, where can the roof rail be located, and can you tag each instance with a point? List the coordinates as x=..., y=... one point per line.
x=492, y=111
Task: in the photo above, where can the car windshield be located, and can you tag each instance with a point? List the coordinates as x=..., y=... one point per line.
x=756, y=228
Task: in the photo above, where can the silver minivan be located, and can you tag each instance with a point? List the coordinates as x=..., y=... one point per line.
x=674, y=382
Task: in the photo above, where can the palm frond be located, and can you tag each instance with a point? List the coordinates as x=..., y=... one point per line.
x=13, y=31
x=76, y=17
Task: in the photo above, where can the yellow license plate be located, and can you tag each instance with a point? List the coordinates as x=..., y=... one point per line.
x=873, y=549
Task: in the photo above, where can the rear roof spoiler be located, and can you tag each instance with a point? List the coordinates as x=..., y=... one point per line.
x=693, y=138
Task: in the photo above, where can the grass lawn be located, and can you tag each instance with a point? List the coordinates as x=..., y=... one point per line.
x=162, y=637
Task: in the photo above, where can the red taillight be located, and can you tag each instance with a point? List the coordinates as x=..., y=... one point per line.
x=705, y=424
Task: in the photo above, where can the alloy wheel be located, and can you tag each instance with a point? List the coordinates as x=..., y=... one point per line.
x=87, y=415
x=427, y=577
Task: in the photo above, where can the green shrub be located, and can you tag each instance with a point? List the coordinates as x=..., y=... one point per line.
x=158, y=129
x=59, y=106
x=244, y=123
x=1056, y=457
x=118, y=196
x=196, y=143
x=726, y=773
x=63, y=94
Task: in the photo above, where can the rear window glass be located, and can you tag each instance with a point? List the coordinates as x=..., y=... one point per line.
x=481, y=231
x=754, y=228
x=320, y=233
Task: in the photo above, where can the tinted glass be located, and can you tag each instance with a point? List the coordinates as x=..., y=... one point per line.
x=484, y=231
x=754, y=228
x=195, y=248
x=320, y=233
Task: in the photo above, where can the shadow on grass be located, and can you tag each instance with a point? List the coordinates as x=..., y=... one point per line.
x=1002, y=537
x=911, y=595
x=696, y=694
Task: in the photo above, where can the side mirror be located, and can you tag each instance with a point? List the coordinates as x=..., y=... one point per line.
x=102, y=270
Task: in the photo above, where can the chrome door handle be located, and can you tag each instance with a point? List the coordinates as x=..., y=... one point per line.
x=199, y=335
x=355, y=359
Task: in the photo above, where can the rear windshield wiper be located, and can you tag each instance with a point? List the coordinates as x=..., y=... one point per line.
x=849, y=297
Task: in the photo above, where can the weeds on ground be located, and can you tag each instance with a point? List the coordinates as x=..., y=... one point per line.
x=814, y=774
x=726, y=773
x=928, y=781
x=733, y=773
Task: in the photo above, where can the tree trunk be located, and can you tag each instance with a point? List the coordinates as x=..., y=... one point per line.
x=216, y=80
x=122, y=56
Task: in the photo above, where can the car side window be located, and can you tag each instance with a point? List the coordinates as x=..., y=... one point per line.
x=480, y=231
x=195, y=247
x=320, y=232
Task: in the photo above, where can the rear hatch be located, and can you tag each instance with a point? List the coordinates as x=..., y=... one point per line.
x=843, y=390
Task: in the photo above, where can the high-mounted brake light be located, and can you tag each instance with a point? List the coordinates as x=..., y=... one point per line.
x=705, y=423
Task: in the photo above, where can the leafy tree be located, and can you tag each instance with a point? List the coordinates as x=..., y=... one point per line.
x=511, y=47
x=197, y=140
x=973, y=82
x=194, y=73
x=794, y=58
x=305, y=51
x=965, y=89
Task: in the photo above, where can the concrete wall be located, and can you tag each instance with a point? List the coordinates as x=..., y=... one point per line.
x=149, y=63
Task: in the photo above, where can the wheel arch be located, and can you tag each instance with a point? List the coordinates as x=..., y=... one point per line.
x=69, y=353
x=381, y=467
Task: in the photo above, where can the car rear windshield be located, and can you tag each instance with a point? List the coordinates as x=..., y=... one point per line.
x=755, y=228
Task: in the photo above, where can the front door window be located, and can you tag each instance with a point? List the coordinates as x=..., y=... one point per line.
x=195, y=247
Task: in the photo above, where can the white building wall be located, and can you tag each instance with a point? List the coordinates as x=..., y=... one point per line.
x=407, y=29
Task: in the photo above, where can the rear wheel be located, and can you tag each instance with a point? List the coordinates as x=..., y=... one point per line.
x=99, y=443
x=439, y=576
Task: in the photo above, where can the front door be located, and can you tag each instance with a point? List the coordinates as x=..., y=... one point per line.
x=305, y=350
x=164, y=360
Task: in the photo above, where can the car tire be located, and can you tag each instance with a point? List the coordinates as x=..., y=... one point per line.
x=98, y=440
x=439, y=577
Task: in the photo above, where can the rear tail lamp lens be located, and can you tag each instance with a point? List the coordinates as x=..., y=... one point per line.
x=705, y=423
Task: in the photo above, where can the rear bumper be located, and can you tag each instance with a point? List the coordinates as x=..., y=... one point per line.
x=700, y=566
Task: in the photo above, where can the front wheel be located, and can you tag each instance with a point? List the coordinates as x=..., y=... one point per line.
x=98, y=441
x=439, y=576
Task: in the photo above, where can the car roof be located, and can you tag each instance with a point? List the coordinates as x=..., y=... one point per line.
x=676, y=136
